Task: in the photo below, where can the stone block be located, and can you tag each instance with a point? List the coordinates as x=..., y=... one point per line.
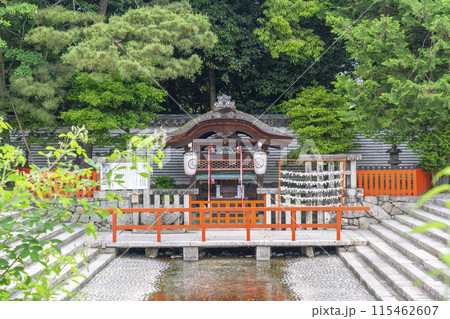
x=190, y=253
x=126, y=220
x=377, y=212
x=350, y=227
x=371, y=199
x=353, y=214
x=262, y=253
x=350, y=192
x=148, y=219
x=387, y=206
x=383, y=198
x=408, y=199
x=109, y=250
x=151, y=252
x=309, y=251
x=364, y=222
x=405, y=206
x=170, y=218
x=396, y=211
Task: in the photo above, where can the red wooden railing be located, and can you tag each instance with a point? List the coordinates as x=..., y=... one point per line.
x=402, y=182
x=228, y=218
x=58, y=187
x=248, y=211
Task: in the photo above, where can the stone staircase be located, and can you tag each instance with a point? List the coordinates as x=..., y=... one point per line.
x=395, y=264
x=80, y=246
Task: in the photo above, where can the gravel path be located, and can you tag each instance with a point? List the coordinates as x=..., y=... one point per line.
x=324, y=277
x=130, y=277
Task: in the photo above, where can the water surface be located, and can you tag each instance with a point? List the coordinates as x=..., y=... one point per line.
x=224, y=278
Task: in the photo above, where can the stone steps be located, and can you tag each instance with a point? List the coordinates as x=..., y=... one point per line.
x=374, y=283
x=78, y=245
x=85, y=257
x=421, y=240
x=419, y=256
x=44, y=236
x=441, y=202
x=434, y=288
x=434, y=233
x=428, y=217
x=399, y=282
x=88, y=273
x=437, y=210
x=396, y=259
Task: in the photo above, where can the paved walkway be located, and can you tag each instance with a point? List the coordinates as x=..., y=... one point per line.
x=236, y=238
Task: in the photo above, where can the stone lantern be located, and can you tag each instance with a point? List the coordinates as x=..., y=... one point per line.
x=394, y=156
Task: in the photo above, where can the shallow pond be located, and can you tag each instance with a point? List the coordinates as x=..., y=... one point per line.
x=222, y=279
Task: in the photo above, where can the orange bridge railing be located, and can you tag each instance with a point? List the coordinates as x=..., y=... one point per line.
x=247, y=224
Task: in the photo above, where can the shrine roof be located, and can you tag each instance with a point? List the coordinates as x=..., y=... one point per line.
x=223, y=121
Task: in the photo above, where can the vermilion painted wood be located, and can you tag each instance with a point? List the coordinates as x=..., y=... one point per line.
x=248, y=226
x=242, y=226
x=394, y=182
x=414, y=181
x=242, y=209
x=59, y=187
x=114, y=235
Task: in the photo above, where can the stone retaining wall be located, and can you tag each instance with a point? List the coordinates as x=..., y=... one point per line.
x=381, y=207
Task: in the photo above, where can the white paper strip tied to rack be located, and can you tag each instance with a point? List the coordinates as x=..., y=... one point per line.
x=260, y=162
x=190, y=163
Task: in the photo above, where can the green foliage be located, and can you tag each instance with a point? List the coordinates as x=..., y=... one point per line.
x=433, y=146
x=283, y=33
x=164, y=182
x=160, y=41
x=21, y=232
x=400, y=85
x=243, y=66
x=444, y=188
x=107, y=102
x=316, y=114
x=33, y=78
x=26, y=214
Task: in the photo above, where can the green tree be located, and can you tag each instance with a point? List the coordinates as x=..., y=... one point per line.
x=400, y=85
x=33, y=78
x=283, y=33
x=316, y=114
x=241, y=65
x=92, y=80
x=117, y=62
x=152, y=41
x=107, y=102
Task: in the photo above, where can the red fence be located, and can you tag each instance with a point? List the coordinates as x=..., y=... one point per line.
x=402, y=182
x=58, y=187
x=248, y=225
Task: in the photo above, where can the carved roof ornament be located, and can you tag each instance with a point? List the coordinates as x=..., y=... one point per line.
x=223, y=101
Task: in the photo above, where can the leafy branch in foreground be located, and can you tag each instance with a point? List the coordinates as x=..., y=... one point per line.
x=444, y=188
x=35, y=204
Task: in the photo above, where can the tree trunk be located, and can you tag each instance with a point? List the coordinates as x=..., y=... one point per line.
x=102, y=7
x=80, y=158
x=212, y=88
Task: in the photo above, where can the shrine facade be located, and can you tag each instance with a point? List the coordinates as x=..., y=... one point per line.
x=225, y=152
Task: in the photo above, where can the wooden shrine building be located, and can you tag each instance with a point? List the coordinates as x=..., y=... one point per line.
x=225, y=152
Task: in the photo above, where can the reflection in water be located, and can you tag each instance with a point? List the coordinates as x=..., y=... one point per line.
x=224, y=279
